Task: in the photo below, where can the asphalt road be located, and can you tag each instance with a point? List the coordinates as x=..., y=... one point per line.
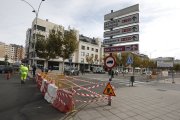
x=24, y=102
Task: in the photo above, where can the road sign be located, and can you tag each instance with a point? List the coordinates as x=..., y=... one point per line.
x=125, y=48
x=109, y=90
x=134, y=18
x=124, y=39
x=129, y=60
x=110, y=62
x=122, y=31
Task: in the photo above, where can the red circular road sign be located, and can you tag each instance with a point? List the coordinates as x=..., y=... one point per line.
x=109, y=62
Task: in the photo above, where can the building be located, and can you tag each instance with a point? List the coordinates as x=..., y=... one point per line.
x=88, y=47
x=15, y=53
x=43, y=28
x=2, y=50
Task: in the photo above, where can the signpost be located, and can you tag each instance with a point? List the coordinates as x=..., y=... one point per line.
x=128, y=20
x=124, y=39
x=124, y=48
x=122, y=31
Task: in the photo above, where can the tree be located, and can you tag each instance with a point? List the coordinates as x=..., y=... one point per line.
x=65, y=42
x=70, y=45
x=44, y=48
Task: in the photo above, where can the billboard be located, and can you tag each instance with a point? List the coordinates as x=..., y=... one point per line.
x=125, y=48
x=164, y=64
x=122, y=31
x=124, y=39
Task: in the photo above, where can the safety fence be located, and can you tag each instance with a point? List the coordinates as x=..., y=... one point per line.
x=65, y=93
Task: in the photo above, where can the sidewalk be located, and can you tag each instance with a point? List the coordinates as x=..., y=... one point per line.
x=136, y=103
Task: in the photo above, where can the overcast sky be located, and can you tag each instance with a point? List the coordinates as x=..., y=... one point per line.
x=159, y=21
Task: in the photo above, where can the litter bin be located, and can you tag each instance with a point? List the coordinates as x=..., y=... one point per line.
x=132, y=80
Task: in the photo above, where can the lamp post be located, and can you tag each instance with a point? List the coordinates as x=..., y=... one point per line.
x=36, y=12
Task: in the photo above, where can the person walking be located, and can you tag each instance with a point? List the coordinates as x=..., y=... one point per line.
x=34, y=70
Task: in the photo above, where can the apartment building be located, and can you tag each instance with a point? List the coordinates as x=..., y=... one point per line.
x=2, y=50
x=87, y=47
x=43, y=28
x=14, y=52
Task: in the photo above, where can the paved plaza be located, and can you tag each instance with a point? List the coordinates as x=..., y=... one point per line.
x=148, y=101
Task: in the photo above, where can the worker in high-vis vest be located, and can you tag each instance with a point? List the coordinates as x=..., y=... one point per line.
x=24, y=73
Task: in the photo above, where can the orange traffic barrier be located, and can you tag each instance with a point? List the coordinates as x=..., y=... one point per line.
x=64, y=101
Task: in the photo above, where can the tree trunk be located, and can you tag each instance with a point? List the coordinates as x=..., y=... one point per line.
x=63, y=66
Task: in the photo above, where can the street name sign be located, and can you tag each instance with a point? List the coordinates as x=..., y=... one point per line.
x=122, y=31
x=124, y=48
x=124, y=39
x=134, y=18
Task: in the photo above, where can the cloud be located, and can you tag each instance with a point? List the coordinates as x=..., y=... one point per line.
x=159, y=20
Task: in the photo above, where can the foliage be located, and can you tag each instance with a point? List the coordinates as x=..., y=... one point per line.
x=177, y=67
x=44, y=48
x=70, y=44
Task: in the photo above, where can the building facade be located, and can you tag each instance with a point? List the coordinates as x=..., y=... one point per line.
x=15, y=53
x=88, y=47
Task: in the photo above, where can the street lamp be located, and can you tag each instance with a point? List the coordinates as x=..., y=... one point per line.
x=36, y=12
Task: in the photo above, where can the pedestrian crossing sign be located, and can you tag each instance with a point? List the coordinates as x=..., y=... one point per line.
x=129, y=60
x=109, y=90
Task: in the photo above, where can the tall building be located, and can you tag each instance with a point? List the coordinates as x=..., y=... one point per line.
x=15, y=53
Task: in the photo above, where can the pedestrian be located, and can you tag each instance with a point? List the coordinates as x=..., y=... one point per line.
x=34, y=70
x=24, y=73
x=82, y=71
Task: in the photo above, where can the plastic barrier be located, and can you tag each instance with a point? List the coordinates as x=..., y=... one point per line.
x=39, y=81
x=51, y=93
x=44, y=86
x=64, y=101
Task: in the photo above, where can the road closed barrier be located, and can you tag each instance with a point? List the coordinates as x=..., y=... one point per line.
x=64, y=101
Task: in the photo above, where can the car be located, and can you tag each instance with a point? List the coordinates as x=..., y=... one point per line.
x=98, y=70
x=71, y=71
x=147, y=73
x=2, y=68
x=6, y=69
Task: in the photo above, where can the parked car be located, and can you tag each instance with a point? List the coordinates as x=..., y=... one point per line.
x=71, y=71
x=6, y=69
x=98, y=70
x=2, y=68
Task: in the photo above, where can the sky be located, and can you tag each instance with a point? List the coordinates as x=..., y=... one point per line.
x=158, y=27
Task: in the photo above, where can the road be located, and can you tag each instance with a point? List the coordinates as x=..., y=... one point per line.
x=24, y=102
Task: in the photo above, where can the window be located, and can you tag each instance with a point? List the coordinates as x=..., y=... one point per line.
x=83, y=47
x=87, y=54
x=82, y=53
x=92, y=49
x=96, y=50
x=82, y=60
x=41, y=28
x=87, y=48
